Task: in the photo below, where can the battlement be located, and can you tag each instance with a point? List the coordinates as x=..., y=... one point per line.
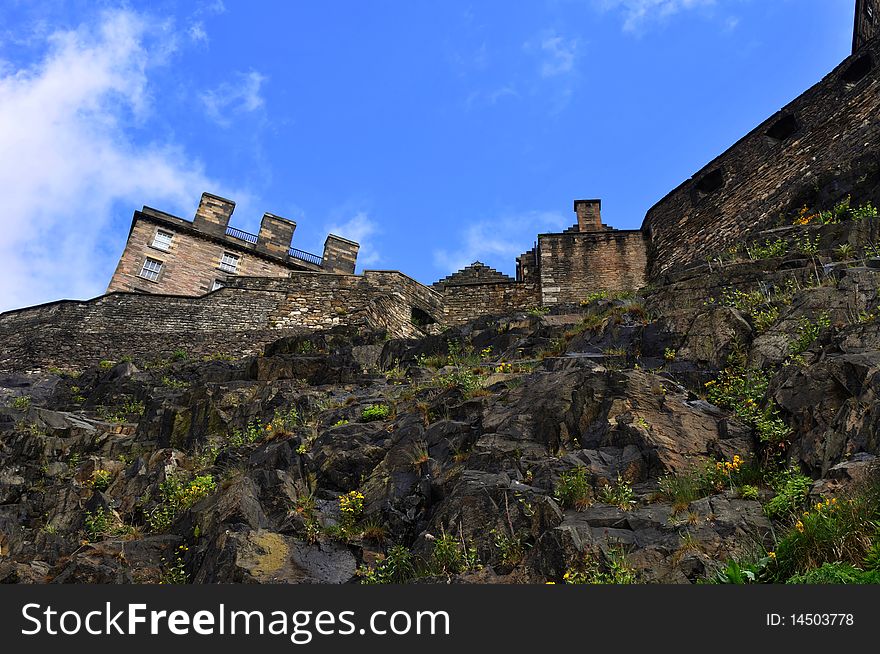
x=168, y=254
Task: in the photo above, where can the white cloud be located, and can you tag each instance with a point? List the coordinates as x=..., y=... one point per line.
x=362, y=229
x=498, y=242
x=557, y=53
x=197, y=32
x=560, y=53
x=70, y=167
x=241, y=95
x=638, y=13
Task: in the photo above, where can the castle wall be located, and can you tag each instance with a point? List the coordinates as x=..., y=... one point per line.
x=466, y=302
x=867, y=22
x=237, y=320
x=828, y=138
x=575, y=264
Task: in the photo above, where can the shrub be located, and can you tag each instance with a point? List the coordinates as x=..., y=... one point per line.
x=685, y=488
x=179, y=355
x=588, y=571
x=791, y=489
x=835, y=530
x=351, y=506
x=101, y=480
x=768, y=250
x=620, y=494
x=807, y=332
x=511, y=549
x=465, y=379
x=375, y=412
x=836, y=572
x=98, y=524
x=742, y=391
x=573, y=489
x=398, y=567
x=748, y=492
x=452, y=556
x=22, y=402
x=176, y=497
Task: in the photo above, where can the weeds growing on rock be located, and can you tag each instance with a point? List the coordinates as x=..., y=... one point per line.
x=573, y=489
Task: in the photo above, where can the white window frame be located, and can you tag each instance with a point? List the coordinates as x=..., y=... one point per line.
x=229, y=262
x=148, y=270
x=160, y=242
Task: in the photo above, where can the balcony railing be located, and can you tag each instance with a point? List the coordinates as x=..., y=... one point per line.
x=302, y=255
x=242, y=236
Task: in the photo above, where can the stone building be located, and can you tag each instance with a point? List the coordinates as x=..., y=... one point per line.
x=168, y=255
x=867, y=22
x=587, y=257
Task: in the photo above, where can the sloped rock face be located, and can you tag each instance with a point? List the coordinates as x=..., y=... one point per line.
x=330, y=451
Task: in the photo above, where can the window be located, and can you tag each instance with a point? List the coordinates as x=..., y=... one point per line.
x=229, y=262
x=218, y=283
x=151, y=269
x=162, y=240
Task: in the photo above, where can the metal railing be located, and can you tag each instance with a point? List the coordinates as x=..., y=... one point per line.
x=302, y=255
x=243, y=236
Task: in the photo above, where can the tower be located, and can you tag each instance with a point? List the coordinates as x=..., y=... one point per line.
x=867, y=22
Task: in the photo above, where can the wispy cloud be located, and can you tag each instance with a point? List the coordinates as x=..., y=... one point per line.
x=556, y=53
x=498, y=242
x=560, y=55
x=237, y=96
x=638, y=14
x=197, y=32
x=71, y=166
x=362, y=229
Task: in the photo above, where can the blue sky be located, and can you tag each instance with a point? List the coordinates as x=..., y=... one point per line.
x=433, y=133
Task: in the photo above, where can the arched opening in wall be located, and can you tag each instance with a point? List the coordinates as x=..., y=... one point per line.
x=783, y=129
x=710, y=182
x=421, y=318
x=857, y=70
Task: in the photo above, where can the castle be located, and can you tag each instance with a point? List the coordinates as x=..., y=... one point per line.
x=204, y=286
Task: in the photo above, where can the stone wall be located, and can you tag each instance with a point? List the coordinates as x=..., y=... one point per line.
x=574, y=264
x=816, y=150
x=466, y=302
x=71, y=334
x=236, y=320
x=867, y=22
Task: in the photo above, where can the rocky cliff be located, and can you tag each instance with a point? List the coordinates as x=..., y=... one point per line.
x=719, y=425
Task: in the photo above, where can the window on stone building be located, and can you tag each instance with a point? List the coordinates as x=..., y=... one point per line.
x=218, y=283
x=229, y=262
x=162, y=240
x=858, y=69
x=151, y=269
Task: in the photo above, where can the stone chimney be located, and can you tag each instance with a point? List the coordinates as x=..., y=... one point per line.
x=340, y=255
x=275, y=236
x=589, y=215
x=213, y=214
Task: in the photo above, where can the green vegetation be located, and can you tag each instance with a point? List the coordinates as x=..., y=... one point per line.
x=511, y=549
x=768, y=250
x=791, y=489
x=573, y=489
x=375, y=412
x=176, y=497
x=99, y=524
x=100, y=480
x=807, y=332
x=175, y=570
x=22, y=402
x=452, y=556
x=619, y=494
x=398, y=567
x=742, y=390
x=613, y=570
